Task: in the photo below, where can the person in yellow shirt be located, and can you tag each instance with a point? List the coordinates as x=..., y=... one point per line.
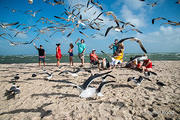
x=119, y=53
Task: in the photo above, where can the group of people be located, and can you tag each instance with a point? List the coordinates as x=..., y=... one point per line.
x=81, y=50
x=138, y=62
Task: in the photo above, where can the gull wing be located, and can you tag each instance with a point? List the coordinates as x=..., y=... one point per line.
x=108, y=29
x=91, y=78
x=102, y=84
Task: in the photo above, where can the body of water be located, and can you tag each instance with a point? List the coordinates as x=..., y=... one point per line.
x=65, y=58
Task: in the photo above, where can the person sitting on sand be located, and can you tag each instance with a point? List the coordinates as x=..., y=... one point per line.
x=58, y=54
x=147, y=65
x=81, y=50
x=71, y=53
x=136, y=61
x=94, y=59
x=41, y=52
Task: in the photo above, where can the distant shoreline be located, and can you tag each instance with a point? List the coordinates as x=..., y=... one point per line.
x=65, y=58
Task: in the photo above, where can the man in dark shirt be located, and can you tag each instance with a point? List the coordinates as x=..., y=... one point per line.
x=41, y=52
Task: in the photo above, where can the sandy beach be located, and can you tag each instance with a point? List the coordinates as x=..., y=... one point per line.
x=55, y=99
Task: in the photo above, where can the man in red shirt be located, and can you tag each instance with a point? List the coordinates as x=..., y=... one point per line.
x=94, y=58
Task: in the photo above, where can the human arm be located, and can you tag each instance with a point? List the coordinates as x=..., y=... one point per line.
x=35, y=46
x=77, y=40
x=149, y=62
x=57, y=52
x=111, y=46
x=44, y=54
x=84, y=50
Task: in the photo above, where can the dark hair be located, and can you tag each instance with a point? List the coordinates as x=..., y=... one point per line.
x=83, y=40
x=71, y=45
x=58, y=44
x=40, y=45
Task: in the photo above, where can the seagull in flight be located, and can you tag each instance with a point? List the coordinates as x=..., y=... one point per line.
x=134, y=39
x=87, y=91
x=2, y=25
x=116, y=28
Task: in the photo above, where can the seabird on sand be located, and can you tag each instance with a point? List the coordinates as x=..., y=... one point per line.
x=137, y=80
x=12, y=92
x=87, y=91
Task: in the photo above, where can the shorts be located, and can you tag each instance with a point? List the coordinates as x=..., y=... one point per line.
x=94, y=62
x=70, y=54
x=115, y=62
x=81, y=55
x=41, y=58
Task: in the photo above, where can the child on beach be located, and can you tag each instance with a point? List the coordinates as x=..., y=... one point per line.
x=58, y=54
x=71, y=53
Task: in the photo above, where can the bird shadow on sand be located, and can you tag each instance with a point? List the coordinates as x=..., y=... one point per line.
x=117, y=103
x=9, y=95
x=150, y=89
x=14, y=81
x=121, y=85
x=4, y=70
x=43, y=112
x=61, y=81
x=29, y=79
x=62, y=95
x=61, y=86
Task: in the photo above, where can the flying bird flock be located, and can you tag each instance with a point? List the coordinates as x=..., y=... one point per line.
x=72, y=20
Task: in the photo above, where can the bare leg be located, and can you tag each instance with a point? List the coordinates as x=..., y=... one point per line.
x=72, y=60
x=44, y=64
x=39, y=63
x=58, y=62
x=82, y=61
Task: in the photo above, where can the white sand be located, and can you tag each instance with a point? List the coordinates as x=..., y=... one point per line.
x=122, y=100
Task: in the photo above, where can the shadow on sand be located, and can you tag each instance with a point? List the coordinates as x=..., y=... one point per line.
x=38, y=109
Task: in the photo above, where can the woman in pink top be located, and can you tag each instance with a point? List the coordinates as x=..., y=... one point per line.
x=58, y=54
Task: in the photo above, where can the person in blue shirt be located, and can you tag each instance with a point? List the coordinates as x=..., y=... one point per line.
x=81, y=49
x=114, y=47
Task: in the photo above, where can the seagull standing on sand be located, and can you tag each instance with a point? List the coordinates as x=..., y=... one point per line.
x=137, y=81
x=12, y=91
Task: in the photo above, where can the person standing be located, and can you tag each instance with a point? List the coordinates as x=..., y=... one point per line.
x=81, y=49
x=58, y=54
x=114, y=46
x=71, y=53
x=41, y=52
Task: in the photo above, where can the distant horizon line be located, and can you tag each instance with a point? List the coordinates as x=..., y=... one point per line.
x=96, y=53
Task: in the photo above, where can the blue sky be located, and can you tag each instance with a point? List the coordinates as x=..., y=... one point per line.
x=155, y=38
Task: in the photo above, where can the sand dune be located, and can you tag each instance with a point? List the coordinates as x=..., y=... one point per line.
x=55, y=99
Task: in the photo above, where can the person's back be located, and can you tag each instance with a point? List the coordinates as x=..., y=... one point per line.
x=41, y=53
